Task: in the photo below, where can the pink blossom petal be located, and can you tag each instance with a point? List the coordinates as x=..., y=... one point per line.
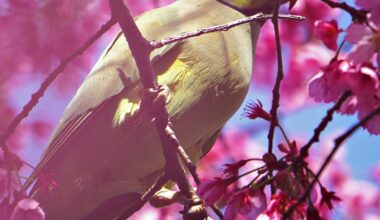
x=328, y=32
x=376, y=172
x=375, y=15
x=367, y=4
x=247, y=204
x=328, y=85
x=373, y=126
x=363, y=82
x=349, y=106
x=358, y=196
x=212, y=190
x=28, y=209
x=317, y=87
x=361, y=52
x=8, y=185
x=356, y=32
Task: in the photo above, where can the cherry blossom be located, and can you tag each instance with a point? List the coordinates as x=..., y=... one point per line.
x=328, y=32
x=366, y=44
x=291, y=150
x=329, y=85
x=232, y=169
x=278, y=205
x=28, y=209
x=376, y=173
x=286, y=182
x=212, y=190
x=255, y=110
x=373, y=6
x=358, y=202
x=328, y=198
x=305, y=61
x=9, y=184
x=245, y=204
x=364, y=83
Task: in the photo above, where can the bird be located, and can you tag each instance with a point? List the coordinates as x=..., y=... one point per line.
x=105, y=152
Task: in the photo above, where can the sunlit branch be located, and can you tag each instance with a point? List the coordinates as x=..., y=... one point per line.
x=222, y=27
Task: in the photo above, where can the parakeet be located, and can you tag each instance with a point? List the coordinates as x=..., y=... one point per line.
x=105, y=152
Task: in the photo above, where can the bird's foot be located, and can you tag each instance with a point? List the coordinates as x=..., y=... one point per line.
x=165, y=197
x=154, y=101
x=163, y=96
x=193, y=207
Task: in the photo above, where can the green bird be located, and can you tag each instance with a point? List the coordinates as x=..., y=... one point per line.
x=105, y=152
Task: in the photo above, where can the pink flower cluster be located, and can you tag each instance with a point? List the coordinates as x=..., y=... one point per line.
x=363, y=81
x=14, y=205
x=357, y=72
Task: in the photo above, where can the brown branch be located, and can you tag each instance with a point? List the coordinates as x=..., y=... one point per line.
x=141, y=49
x=222, y=27
x=356, y=14
x=280, y=76
x=337, y=144
x=323, y=124
x=51, y=77
x=189, y=164
x=276, y=89
x=193, y=171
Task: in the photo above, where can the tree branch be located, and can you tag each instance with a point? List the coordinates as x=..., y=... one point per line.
x=51, y=77
x=280, y=76
x=337, y=144
x=322, y=125
x=356, y=14
x=222, y=27
x=141, y=49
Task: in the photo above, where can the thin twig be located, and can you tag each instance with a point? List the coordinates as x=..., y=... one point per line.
x=323, y=124
x=337, y=144
x=189, y=164
x=51, y=77
x=222, y=27
x=276, y=88
x=284, y=134
x=356, y=14
x=193, y=171
x=280, y=76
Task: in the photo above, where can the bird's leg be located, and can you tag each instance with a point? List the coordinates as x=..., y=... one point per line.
x=160, y=96
x=163, y=96
x=153, y=100
x=165, y=197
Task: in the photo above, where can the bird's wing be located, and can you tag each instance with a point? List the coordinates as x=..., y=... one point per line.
x=115, y=72
x=128, y=202
x=206, y=146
